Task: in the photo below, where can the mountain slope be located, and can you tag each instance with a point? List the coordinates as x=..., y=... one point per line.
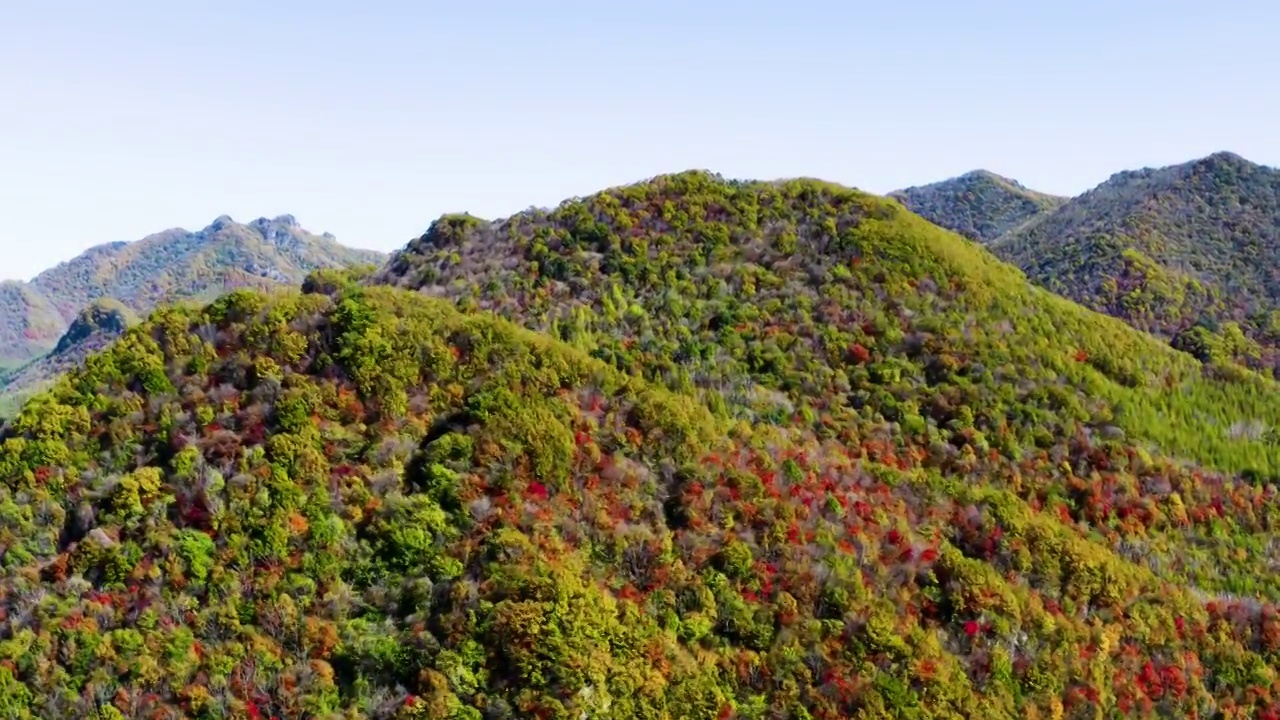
x=786, y=450
x=363, y=503
x=165, y=267
x=980, y=205
x=1167, y=249
x=804, y=303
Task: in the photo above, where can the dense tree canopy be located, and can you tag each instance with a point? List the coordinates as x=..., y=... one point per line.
x=761, y=450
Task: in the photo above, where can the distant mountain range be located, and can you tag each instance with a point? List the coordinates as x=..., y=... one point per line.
x=1190, y=252
x=49, y=323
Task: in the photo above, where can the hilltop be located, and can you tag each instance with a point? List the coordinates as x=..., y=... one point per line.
x=173, y=265
x=760, y=449
x=801, y=302
x=1183, y=250
x=980, y=205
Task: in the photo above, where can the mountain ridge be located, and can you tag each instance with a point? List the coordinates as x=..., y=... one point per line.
x=282, y=232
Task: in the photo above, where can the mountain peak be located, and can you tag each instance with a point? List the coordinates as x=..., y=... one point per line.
x=277, y=229
x=1222, y=160
x=1173, y=174
x=286, y=220
x=984, y=174
x=1226, y=156
x=980, y=204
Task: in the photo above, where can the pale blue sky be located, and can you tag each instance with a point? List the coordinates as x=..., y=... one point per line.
x=122, y=119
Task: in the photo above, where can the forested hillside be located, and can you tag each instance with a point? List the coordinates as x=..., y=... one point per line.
x=735, y=290
x=1188, y=252
x=762, y=450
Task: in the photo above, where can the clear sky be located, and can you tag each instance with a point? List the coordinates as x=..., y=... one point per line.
x=122, y=119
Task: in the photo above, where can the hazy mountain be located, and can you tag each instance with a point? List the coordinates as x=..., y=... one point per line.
x=761, y=450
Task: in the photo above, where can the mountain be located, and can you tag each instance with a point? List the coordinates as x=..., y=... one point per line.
x=1189, y=252
x=717, y=286
x=165, y=267
x=760, y=450
x=1169, y=249
x=980, y=205
x=1186, y=252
